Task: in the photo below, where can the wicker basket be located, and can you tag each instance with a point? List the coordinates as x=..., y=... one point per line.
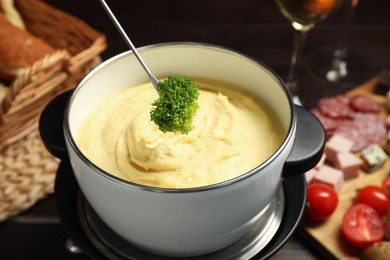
x=77, y=51
x=77, y=46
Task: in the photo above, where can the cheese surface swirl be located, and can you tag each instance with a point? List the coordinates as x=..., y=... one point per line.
x=232, y=135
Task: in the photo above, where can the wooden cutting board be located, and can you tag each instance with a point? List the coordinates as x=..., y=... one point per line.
x=326, y=236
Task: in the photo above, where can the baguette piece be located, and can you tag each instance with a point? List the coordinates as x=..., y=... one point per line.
x=18, y=50
x=10, y=12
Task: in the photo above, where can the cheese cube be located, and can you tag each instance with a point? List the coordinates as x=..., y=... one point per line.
x=349, y=164
x=337, y=144
x=330, y=176
x=310, y=175
x=373, y=157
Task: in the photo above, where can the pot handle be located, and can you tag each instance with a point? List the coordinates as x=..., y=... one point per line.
x=51, y=125
x=308, y=145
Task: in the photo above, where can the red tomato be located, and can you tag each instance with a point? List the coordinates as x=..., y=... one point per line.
x=321, y=201
x=362, y=225
x=375, y=197
x=386, y=183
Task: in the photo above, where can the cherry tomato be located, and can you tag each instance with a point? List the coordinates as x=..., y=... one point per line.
x=321, y=201
x=386, y=183
x=375, y=197
x=362, y=225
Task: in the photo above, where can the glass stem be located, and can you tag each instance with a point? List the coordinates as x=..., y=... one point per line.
x=340, y=54
x=296, y=60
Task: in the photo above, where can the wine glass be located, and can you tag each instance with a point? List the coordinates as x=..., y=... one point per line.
x=303, y=14
x=336, y=65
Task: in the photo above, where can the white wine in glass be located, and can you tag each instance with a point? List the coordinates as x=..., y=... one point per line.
x=303, y=14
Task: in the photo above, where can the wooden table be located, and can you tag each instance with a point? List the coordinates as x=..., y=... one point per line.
x=254, y=27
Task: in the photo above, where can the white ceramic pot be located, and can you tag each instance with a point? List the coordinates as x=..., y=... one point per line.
x=194, y=221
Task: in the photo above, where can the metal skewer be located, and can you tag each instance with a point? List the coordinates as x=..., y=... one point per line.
x=152, y=78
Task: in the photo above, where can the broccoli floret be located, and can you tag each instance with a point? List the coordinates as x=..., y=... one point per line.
x=174, y=109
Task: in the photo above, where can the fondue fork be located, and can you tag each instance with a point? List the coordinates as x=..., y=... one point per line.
x=165, y=113
x=152, y=78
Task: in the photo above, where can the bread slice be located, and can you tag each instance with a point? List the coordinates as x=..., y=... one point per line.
x=8, y=9
x=18, y=49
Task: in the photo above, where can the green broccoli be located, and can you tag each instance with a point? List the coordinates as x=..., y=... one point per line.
x=174, y=109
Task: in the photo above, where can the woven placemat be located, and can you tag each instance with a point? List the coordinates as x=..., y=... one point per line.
x=27, y=173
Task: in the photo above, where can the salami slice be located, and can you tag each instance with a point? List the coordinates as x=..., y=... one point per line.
x=364, y=104
x=336, y=107
x=328, y=123
x=363, y=130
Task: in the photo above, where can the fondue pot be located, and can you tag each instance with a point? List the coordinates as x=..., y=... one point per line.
x=190, y=221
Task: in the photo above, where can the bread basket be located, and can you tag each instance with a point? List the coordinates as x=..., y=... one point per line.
x=26, y=170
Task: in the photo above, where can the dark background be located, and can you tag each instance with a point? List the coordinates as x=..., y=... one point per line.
x=254, y=27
